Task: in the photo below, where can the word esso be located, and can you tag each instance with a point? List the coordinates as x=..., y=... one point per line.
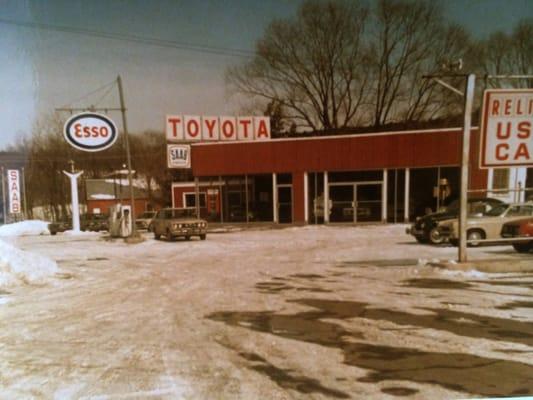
x=212, y=128
x=90, y=132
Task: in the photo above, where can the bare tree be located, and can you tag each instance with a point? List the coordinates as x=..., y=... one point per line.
x=313, y=66
x=503, y=54
x=424, y=99
x=404, y=36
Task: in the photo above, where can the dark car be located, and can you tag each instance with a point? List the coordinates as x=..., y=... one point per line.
x=522, y=228
x=60, y=226
x=94, y=222
x=88, y=222
x=425, y=228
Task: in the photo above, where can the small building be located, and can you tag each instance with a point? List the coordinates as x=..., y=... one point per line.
x=101, y=194
x=355, y=178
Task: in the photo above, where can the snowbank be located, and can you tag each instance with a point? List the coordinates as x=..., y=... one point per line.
x=18, y=266
x=30, y=227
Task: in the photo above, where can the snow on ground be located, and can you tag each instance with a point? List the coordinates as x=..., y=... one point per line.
x=80, y=233
x=19, y=267
x=246, y=315
x=25, y=228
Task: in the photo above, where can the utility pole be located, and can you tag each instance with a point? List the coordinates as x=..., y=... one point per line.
x=468, y=95
x=463, y=202
x=24, y=193
x=128, y=155
x=4, y=194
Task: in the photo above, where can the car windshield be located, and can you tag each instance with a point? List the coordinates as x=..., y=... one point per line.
x=178, y=213
x=497, y=211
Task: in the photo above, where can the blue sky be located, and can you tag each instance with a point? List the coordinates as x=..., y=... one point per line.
x=42, y=69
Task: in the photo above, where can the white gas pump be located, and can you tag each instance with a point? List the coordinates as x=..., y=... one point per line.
x=120, y=221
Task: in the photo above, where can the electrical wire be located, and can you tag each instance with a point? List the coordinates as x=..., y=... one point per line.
x=224, y=51
x=89, y=94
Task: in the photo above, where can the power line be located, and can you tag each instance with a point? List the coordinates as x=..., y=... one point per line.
x=225, y=51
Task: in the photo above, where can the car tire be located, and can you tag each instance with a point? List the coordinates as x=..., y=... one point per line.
x=202, y=237
x=187, y=238
x=454, y=242
x=523, y=247
x=421, y=239
x=435, y=237
x=169, y=237
x=156, y=236
x=475, y=234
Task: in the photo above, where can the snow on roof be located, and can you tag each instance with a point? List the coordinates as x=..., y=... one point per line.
x=20, y=267
x=102, y=196
x=25, y=228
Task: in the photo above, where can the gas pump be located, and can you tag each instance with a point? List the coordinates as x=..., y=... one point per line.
x=120, y=221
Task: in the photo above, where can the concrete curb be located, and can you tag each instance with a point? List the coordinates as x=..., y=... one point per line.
x=491, y=266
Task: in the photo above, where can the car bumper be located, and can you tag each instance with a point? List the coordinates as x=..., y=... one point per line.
x=188, y=232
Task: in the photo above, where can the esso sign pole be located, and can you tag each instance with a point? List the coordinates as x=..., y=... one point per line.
x=87, y=131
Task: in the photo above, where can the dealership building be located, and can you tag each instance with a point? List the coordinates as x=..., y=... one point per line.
x=343, y=178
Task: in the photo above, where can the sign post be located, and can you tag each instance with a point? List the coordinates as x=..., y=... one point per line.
x=90, y=132
x=465, y=156
x=74, y=195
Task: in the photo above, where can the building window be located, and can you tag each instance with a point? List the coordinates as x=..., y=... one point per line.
x=500, y=179
x=190, y=200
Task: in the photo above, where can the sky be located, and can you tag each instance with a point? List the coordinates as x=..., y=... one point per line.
x=43, y=69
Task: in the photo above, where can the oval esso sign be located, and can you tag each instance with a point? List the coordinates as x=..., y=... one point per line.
x=90, y=131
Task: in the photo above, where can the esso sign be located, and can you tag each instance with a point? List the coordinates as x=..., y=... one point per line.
x=90, y=132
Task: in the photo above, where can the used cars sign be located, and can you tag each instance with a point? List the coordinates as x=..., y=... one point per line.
x=90, y=131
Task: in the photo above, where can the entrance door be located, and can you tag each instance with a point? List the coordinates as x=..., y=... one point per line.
x=368, y=202
x=285, y=204
x=342, y=203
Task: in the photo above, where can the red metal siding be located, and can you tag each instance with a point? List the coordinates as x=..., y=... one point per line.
x=411, y=149
x=104, y=205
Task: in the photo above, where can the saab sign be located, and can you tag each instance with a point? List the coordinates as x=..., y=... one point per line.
x=211, y=128
x=178, y=156
x=90, y=132
x=13, y=184
x=507, y=128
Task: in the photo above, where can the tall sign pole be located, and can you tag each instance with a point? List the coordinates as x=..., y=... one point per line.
x=73, y=176
x=465, y=156
x=128, y=154
x=4, y=195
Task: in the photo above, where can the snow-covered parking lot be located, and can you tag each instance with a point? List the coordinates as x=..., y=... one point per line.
x=301, y=312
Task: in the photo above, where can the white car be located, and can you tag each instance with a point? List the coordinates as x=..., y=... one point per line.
x=488, y=226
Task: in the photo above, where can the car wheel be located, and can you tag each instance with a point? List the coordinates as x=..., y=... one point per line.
x=473, y=235
x=523, y=247
x=187, y=238
x=156, y=236
x=202, y=237
x=169, y=236
x=454, y=242
x=421, y=239
x=435, y=237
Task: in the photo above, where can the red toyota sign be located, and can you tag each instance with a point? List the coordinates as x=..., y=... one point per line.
x=506, y=128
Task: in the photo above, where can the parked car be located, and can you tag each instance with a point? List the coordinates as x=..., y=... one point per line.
x=88, y=222
x=144, y=220
x=94, y=222
x=425, y=229
x=61, y=225
x=488, y=226
x=522, y=228
x=178, y=222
